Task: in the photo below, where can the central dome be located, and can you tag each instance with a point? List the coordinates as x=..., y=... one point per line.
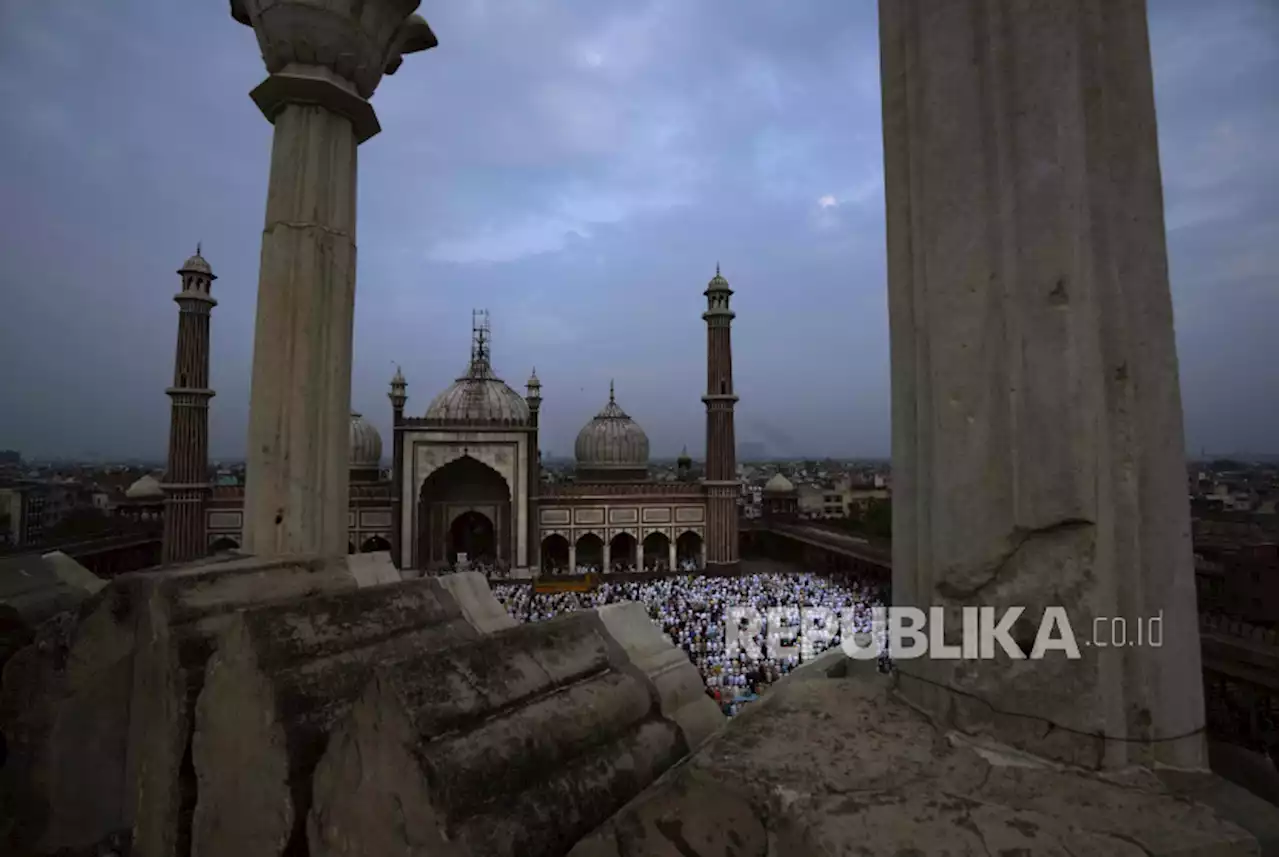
x=612, y=446
x=479, y=398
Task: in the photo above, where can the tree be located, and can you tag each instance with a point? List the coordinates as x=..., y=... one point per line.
x=82, y=522
x=877, y=520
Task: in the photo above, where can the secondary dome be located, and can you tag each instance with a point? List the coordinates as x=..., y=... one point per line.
x=146, y=488
x=366, y=444
x=778, y=484
x=612, y=443
x=479, y=397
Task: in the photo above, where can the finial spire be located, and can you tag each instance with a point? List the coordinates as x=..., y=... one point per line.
x=197, y=248
x=717, y=269
x=611, y=401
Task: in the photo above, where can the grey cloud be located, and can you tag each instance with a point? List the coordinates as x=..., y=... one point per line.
x=578, y=168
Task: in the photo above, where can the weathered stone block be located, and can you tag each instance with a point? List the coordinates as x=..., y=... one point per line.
x=83, y=712
x=531, y=738
x=473, y=595
x=279, y=678
x=373, y=569
x=842, y=766
x=681, y=692
x=500, y=779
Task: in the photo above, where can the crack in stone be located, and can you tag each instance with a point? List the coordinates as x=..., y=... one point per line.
x=1129, y=839
x=306, y=224
x=994, y=570
x=966, y=823
x=673, y=832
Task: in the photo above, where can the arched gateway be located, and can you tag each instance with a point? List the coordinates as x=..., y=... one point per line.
x=464, y=508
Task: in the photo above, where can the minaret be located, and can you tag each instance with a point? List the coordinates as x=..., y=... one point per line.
x=533, y=549
x=186, y=484
x=398, y=397
x=721, y=466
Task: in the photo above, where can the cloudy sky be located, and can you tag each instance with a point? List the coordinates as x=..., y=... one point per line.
x=578, y=168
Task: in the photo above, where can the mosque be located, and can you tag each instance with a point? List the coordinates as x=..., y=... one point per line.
x=466, y=479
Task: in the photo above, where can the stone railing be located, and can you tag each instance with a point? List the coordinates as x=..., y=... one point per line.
x=374, y=490
x=569, y=490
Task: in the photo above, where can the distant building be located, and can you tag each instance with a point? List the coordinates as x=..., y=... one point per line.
x=10, y=458
x=779, y=498
x=22, y=513
x=30, y=508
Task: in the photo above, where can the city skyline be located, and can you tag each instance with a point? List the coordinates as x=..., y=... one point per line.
x=578, y=170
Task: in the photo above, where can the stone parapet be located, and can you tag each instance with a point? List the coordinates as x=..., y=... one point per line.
x=213, y=709
x=680, y=690
x=97, y=713
x=516, y=745
x=842, y=766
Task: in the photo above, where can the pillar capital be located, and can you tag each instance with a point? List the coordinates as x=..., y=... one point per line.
x=299, y=84
x=331, y=53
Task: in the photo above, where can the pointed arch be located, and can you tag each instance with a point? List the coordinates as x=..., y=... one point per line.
x=689, y=548
x=555, y=553
x=622, y=550
x=589, y=551
x=657, y=550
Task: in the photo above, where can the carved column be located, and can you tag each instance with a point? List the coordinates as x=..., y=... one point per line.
x=324, y=62
x=1038, y=455
x=671, y=555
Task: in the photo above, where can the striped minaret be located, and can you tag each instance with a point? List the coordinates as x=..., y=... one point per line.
x=722, y=471
x=186, y=483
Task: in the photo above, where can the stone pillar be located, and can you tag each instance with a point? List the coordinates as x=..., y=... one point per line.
x=573, y=557
x=608, y=555
x=1038, y=455
x=640, y=552
x=671, y=554
x=324, y=62
x=702, y=556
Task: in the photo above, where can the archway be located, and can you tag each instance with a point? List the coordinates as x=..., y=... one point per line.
x=375, y=544
x=657, y=552
x=590, y=552
x=461, y=486
x=472, y=534
x=555, y=553
x=689, y=549
x=222, y=545
x=622, y=552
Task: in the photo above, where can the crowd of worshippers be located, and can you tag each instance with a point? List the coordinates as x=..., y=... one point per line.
x=691, y=611
x=687, y=566
x=491, y=570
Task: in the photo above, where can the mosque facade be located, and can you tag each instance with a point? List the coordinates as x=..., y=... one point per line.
x=466, y=480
